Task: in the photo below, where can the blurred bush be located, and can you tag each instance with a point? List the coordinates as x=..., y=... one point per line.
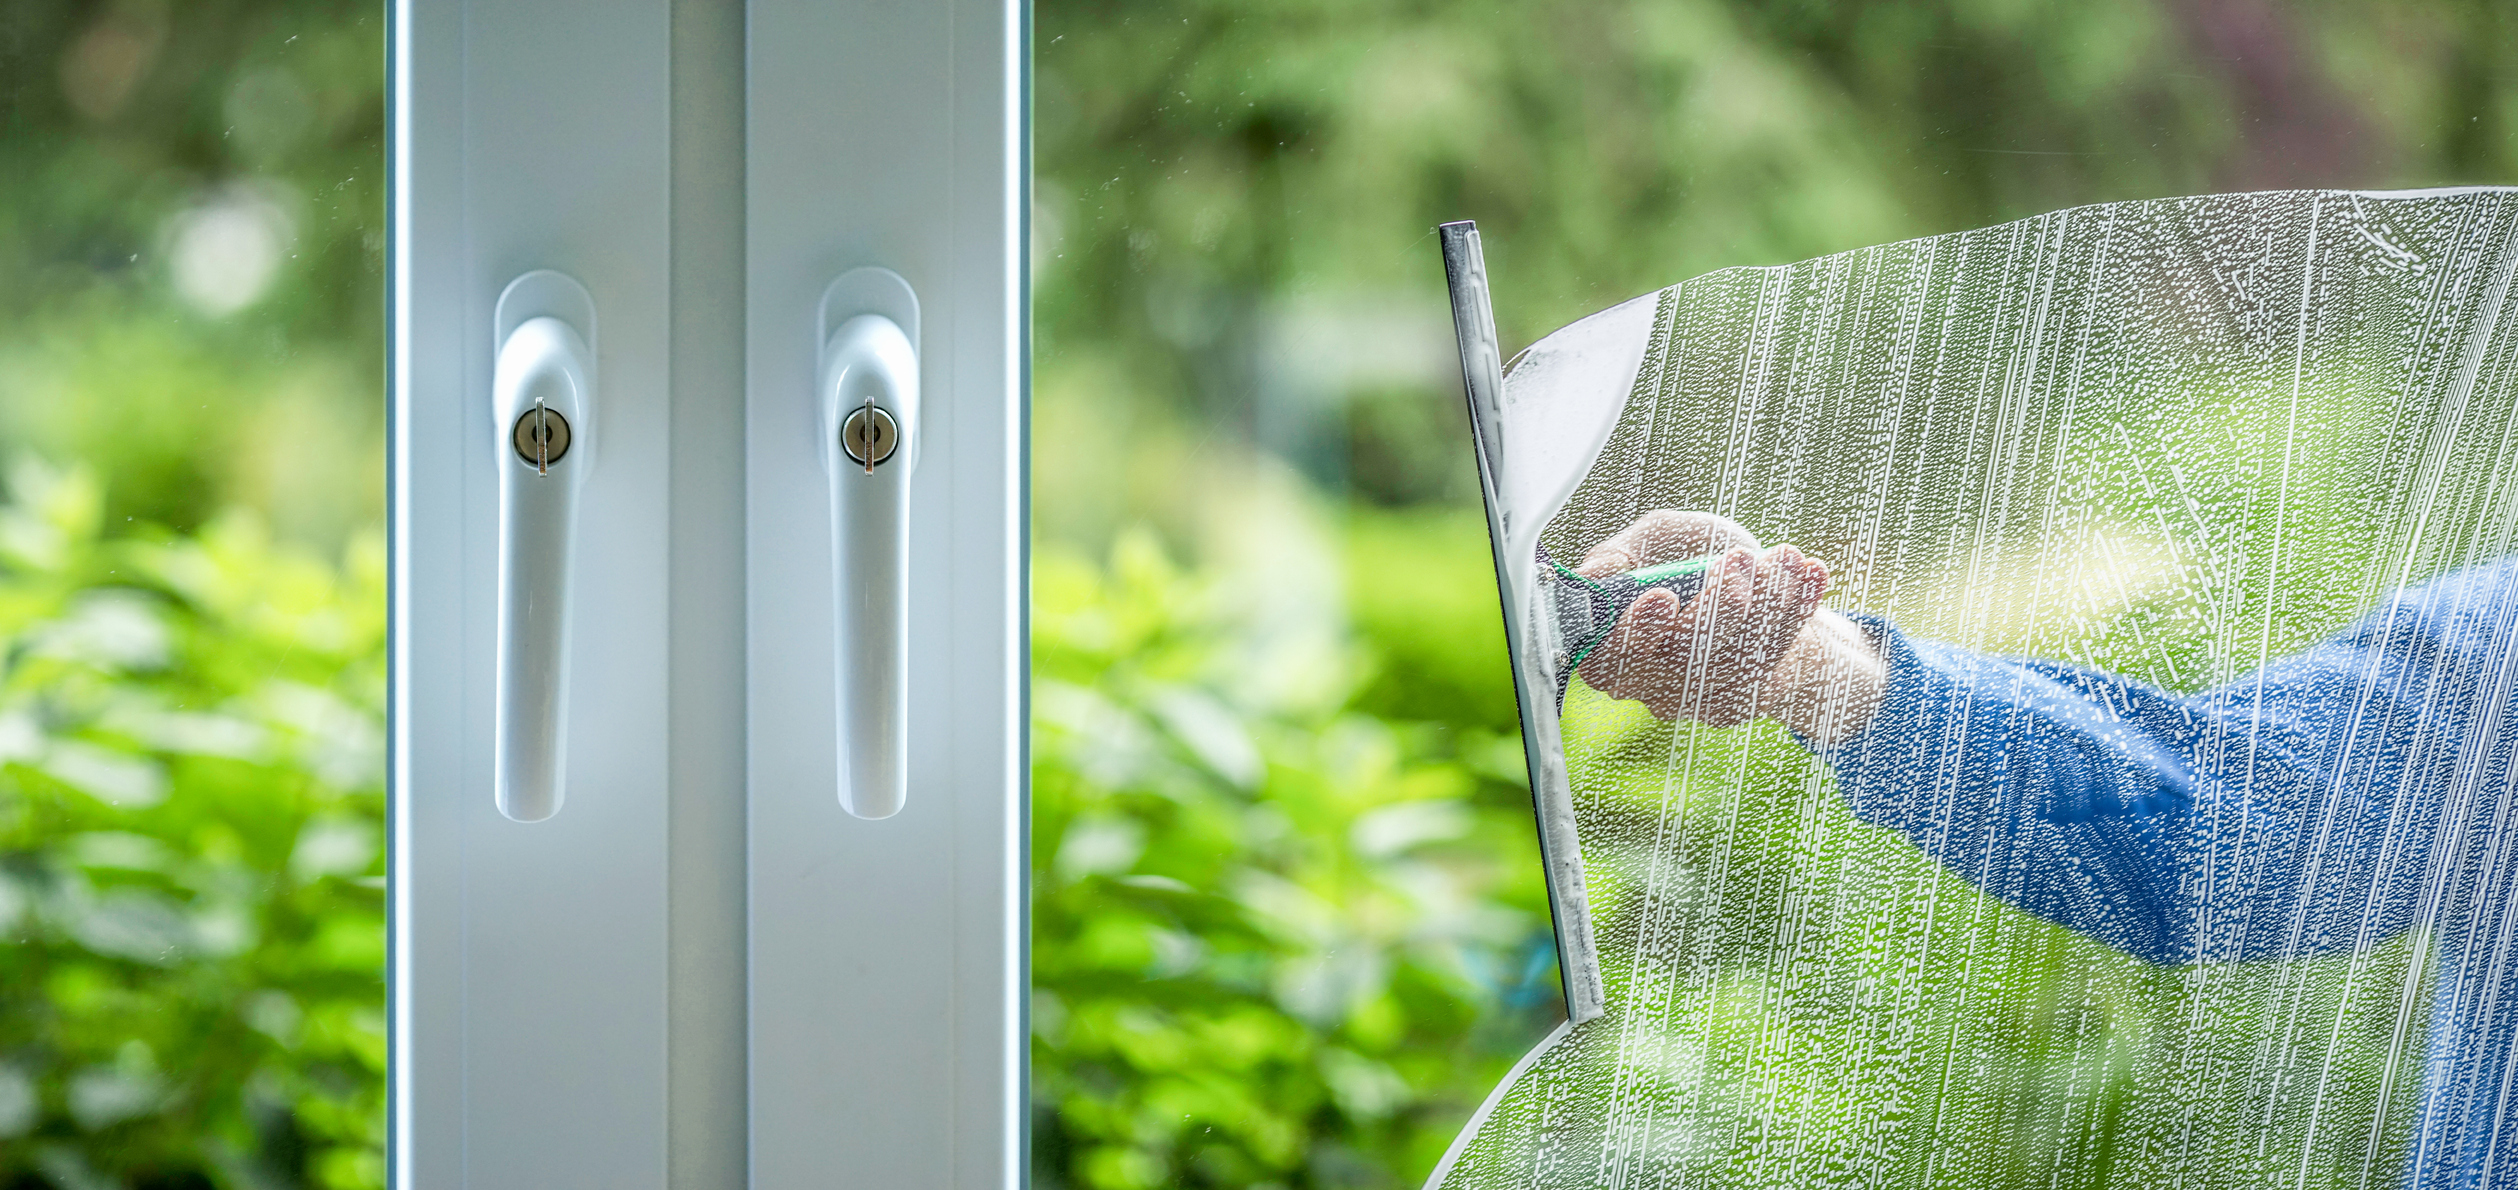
x=1276, y=940
x=192, y=240
x=191, y=695
x=191, y=872
x=1234, y=200
x=191, y=737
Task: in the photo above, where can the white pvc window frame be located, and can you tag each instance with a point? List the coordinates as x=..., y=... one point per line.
x=702, y=971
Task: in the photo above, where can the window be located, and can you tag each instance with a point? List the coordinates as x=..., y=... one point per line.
x=1240, y=312
x=192, y=689
x=1277, y=893
x=702, y=968
x=2179, y=528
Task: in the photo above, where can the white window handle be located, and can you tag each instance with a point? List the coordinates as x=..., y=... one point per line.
x=544, y=396
x=869, y=422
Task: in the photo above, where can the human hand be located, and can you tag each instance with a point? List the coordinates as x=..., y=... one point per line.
x=1754, y=641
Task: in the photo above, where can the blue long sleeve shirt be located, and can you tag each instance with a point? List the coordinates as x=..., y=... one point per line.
x=2322, y=803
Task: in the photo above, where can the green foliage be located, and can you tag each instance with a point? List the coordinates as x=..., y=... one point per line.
x=1420, y=590
x=1234, y=201
x=192, y=234
x=1275, y=941
x=191, y=876
x=191, y=742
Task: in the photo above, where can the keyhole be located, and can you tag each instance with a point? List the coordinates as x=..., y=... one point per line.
x=541, y=437
x=869, y=436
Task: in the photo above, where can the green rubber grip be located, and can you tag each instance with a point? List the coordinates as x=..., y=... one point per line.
x=1670, y=570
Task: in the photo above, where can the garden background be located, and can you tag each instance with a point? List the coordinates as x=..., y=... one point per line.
x=1288, y=926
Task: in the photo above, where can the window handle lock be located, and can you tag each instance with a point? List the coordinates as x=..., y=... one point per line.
x=868, y=397
x=543, y=397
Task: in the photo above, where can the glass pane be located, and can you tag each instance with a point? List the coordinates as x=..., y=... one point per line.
x=1289, y=923
x=2168, y=844
x=191, y=594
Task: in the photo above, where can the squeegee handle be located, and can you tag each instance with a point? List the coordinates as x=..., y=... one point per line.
x=1683, y=568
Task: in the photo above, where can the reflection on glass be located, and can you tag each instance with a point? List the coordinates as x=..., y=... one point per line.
x=2137, y=807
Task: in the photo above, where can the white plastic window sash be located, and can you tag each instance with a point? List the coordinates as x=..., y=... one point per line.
x=702, y=971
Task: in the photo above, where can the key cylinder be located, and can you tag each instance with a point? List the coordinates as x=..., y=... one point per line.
x=869, y=436
x=541, y=437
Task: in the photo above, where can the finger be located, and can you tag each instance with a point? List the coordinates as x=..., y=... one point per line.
x=1808, y=575
x=1665, y=535
x=1630, y=662
x=1784, y=575
x=1668, y=535
x=1703, y=653
x=1720, y=608
x=1607, y=558
x=1633, y=630
x=1782, y=603
x=1739, y=584
x=1619, y=552
x=1785, y=679
x=1765, y=619
x=1767, y=627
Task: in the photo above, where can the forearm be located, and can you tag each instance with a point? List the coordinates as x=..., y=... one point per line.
x=2268, y=818
x=2028, y=788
